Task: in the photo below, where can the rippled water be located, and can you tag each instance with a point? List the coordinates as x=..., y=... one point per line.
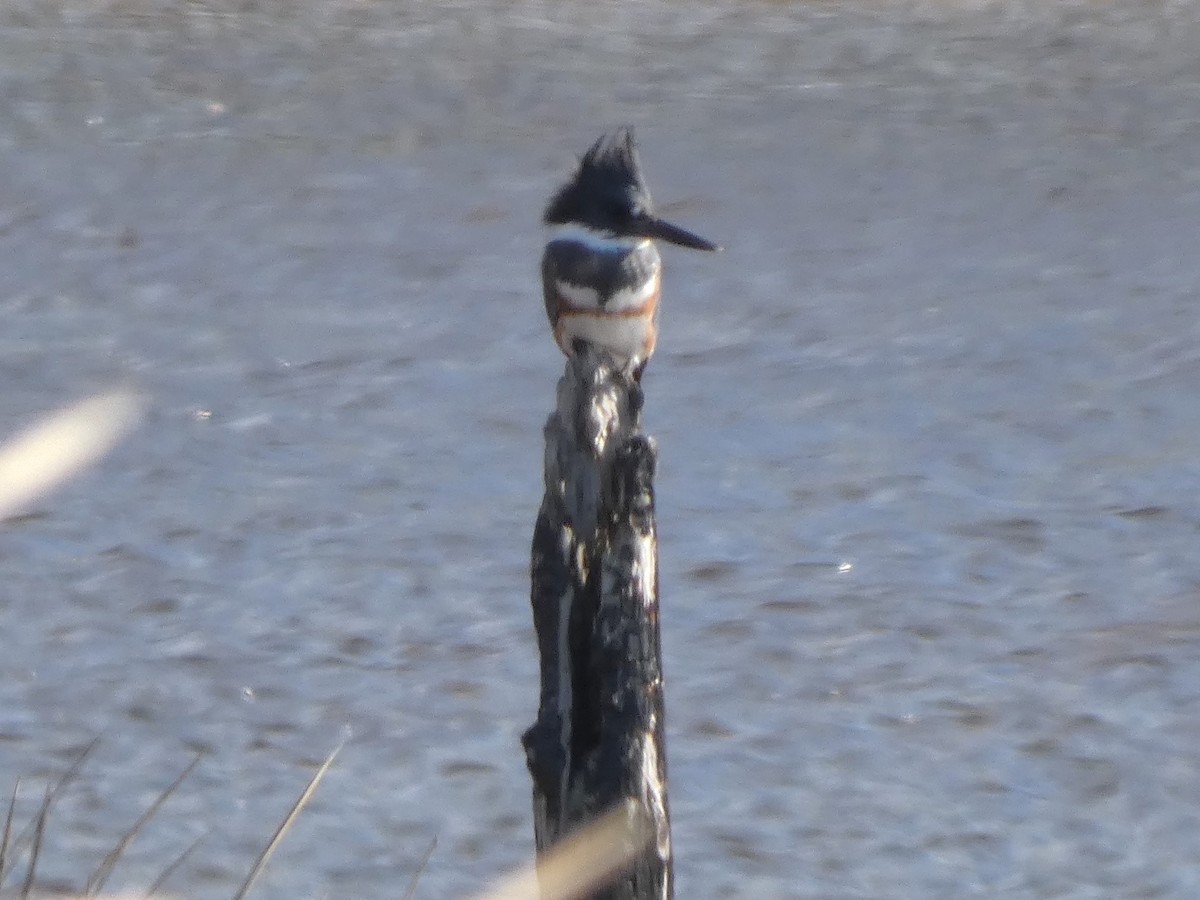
x=928, y=434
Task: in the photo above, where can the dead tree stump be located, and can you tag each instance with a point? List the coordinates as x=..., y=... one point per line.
x=599, y=738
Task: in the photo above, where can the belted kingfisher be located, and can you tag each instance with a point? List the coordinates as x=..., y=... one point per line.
x=600, y=272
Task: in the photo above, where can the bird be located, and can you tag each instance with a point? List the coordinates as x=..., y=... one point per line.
x=601, y=273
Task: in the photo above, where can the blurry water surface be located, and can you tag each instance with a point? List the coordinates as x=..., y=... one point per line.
x=929, y=496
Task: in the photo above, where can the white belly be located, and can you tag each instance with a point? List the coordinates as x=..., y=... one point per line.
x=628, y=338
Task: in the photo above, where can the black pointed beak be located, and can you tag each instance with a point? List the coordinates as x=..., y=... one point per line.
x=654, y=227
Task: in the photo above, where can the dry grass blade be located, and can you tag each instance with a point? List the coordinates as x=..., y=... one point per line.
x=39, y=832
x=582, y=862
x=73, y=770
x=59, y=445
x=170, y=870
x=12, y=805
x=96, y=883
x=412, y=884
x=261, y=862
x=66, y=778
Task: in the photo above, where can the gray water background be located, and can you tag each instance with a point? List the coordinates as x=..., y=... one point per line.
x=929, y=434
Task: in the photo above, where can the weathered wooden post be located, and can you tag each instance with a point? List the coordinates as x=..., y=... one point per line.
x=598, y=738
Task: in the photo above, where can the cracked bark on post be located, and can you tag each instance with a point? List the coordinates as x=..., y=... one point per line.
x=598, y=738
